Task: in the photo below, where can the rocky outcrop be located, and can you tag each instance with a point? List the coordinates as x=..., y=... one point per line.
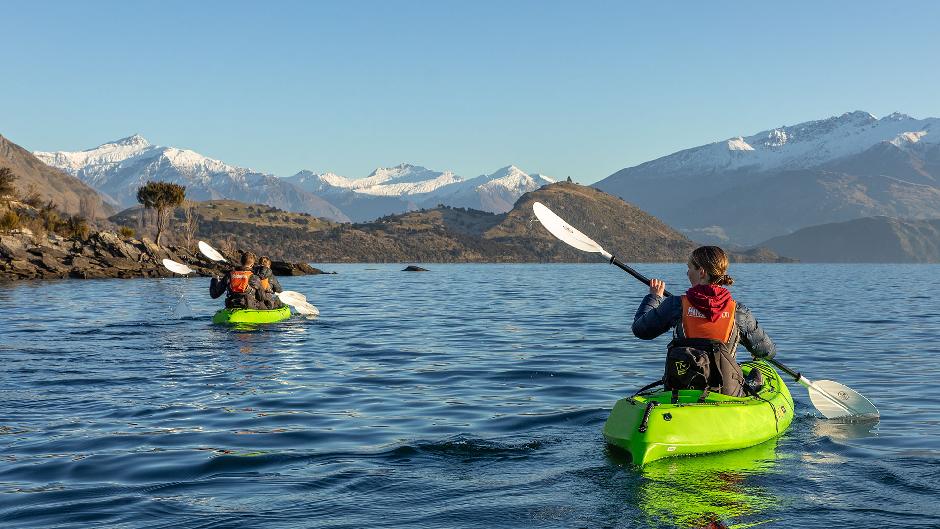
x=104, y=255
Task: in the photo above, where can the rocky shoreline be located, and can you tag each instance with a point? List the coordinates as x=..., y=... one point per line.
x=105, y=254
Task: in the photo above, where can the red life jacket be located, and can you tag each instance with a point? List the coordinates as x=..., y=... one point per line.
x=697, y=325
x=238, y=283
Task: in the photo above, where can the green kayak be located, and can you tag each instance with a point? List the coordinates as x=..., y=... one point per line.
x=251, y=315
x=650, y=427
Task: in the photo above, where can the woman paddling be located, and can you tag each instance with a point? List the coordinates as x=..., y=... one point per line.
x=708, y=326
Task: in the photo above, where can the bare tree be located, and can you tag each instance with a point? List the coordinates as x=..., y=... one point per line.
x=88, y=208
x=7, y=178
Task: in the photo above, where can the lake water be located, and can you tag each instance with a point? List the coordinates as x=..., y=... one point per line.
x=469, y=396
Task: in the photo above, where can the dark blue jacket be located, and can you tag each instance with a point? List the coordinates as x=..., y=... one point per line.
x=657, y=315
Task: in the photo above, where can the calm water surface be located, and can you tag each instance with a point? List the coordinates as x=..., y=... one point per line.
x=470, y=396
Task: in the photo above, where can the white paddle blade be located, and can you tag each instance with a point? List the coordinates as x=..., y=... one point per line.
x=564, y=232
x=294, y=297
x=210, y=252
x=837, y=401
x=177, y=268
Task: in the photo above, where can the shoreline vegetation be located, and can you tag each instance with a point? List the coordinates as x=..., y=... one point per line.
x=39, y=241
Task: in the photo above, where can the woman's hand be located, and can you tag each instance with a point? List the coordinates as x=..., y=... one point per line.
x=657, y=287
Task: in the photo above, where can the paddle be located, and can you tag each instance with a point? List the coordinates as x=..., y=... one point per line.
x=832, y=399
x=177, y=268
x=288, y=297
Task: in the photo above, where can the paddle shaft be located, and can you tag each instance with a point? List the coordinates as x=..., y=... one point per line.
x=632, y=272
x=614, y=261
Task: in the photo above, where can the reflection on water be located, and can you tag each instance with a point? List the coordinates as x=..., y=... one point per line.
x=707, y=490
x=846, y=430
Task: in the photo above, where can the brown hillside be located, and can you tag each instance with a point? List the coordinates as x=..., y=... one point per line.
x=446, y=234
x=70, y=194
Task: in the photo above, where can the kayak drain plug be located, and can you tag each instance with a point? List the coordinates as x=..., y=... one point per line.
x=667, y=416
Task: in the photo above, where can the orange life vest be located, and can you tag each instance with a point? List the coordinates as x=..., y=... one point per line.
x=697, y=325
x=266, y=284
x=238, y=283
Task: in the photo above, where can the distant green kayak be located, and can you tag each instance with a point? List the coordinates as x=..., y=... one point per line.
x=650, y=427
x=251, y=315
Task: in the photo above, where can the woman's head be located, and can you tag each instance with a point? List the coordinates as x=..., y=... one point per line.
x=709, y=265
x=248, y=259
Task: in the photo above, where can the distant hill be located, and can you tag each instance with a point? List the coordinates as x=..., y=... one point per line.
x=867, y=240
x=70, y=194
x=747, y=189
x=447, y=234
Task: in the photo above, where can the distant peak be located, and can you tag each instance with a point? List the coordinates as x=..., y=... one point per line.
x=896, y=116
x=858, y=115
x=131, y=141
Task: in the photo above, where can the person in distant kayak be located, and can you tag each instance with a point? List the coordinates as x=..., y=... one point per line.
x=241, y=284
x=708, y=326
x=269, y=284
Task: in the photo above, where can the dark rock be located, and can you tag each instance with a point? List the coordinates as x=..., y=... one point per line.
x=413, y=268
x=282, y=268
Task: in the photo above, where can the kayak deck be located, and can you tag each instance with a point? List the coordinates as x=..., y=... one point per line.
x=651, y=427
x=251, y=315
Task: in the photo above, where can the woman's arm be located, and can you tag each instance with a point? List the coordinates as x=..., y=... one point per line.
x=656, y=316
x=753, y=338
x=217, y=286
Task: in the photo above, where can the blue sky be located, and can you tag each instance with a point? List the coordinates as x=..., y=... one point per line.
x=563, y=88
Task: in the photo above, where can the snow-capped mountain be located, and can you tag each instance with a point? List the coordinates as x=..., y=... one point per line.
x=496, y=192
x=117, y=169
x=789, y=177
x=406, y=187
x=795, y=147
x=403, y=179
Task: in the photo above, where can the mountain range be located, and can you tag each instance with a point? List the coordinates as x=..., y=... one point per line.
x=118, y=168
x=747, y=189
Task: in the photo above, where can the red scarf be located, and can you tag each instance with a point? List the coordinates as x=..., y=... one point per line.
x=710, y=300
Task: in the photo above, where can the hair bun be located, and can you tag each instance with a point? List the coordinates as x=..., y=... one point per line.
x=725, y=280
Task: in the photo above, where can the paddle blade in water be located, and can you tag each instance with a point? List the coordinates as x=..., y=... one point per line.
x=563, y=231
x=210, y=252
x=837, y=401
x=177, y=268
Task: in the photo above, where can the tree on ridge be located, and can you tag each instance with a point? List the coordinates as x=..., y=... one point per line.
x=163, y=197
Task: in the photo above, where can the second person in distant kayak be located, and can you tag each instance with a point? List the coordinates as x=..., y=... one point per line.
x=708, y=326
x=242, y=285
x=269, y=284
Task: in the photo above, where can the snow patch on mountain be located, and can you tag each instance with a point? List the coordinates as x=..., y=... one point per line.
x=908, y=138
